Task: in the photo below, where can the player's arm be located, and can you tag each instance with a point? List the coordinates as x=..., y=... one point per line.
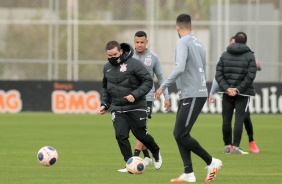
x=105, y=101
x=214, y=89
x=145, y=78
x=161, y=78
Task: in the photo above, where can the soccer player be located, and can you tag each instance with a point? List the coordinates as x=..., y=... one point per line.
x=247, y=121
x=235, y=73
x=126, y=83
x=189, y=74
x=152, y=63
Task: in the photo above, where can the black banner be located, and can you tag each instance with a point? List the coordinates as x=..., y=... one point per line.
x=84, y=97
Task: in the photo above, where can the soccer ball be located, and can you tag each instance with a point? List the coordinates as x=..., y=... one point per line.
x=47, y=156
x=135, y=165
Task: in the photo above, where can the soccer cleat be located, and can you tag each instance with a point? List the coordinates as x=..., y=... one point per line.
x=227, y=150
x=122, y=170
x=184, y=178
x=239, y=151
x=213, y=169
x=254, y=147
x=147, y=161
x=158, y=162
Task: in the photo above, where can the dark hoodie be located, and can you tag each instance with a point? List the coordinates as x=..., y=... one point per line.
x=236, y=68
x=129, y=77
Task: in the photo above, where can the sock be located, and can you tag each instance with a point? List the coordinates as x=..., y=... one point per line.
x=136, y=152
x=146, y=153
x=251, y=138
x=156, y=157
x=188, y=169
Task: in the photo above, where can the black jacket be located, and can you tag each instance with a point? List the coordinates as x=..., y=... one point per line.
x=236, y=68
x=130, y=77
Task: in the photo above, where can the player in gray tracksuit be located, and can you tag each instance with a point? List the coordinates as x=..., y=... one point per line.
x=152, y=63
x=189, y=74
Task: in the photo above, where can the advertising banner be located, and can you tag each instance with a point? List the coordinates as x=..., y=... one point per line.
x=84, y=97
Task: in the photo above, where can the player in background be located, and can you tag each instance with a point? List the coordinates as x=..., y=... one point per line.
x=247, y=121
x=152, y=62
x=235, y=74
x=189, y=74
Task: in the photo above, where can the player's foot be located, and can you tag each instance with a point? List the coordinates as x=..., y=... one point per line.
x=213, y=169
x=158, y=160
x=122, y=170
x=254, y=147
x=184, y=178
x=231, y=147
x=227, y=149
x=147, y=161
x=239, y=151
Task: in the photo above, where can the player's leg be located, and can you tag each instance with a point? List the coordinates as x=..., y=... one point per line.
x=122, y=129
x=241, y=106
x=248, y=125
x=188, y=112
x=138, y=127
x=139, y=145
x=249, y=129
x=227, y=114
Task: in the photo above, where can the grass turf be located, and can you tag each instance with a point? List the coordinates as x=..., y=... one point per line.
x=88, y=152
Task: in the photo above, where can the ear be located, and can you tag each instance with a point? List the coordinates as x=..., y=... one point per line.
x=177, y=27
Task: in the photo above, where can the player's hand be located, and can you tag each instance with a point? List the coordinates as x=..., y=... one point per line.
x=102, y=110
x=167, y=104
x=232, y=91
x=158, y=93
x=130, y=98
x=211, y=99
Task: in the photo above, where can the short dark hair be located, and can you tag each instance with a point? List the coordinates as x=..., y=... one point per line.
x=241, y=37
x=184, y=21
x=112, y=44
x=140, y=34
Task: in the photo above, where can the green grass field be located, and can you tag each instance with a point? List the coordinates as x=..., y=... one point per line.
x=88, y=152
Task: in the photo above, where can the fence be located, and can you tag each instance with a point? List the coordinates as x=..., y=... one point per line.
x=65, y=39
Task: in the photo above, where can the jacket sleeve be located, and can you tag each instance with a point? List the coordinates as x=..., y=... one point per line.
x=160, y=76
x=251, y=75
x=219, y=76
x=214, y=87
x=105, y=101
x=146, y=81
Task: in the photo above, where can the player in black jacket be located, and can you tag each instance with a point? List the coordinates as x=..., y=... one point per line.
x=235, y=73
x=125, y=85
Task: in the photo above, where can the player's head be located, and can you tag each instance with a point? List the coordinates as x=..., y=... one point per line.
x=140, y=42
x=241, y=37
x=232, y=40
x=113, y=49
x=183, y=22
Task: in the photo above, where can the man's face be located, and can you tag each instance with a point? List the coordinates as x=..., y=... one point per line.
x=232, y=41
x=114, y=53
x=140, y=44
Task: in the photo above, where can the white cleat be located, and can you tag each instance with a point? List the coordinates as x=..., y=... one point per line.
x=184, y=178
x=239, y=151
x=158, y=163
x=147, y=161
x=122, y=170
x=213, y=169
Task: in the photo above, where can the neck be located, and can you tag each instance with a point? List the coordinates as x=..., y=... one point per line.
x=184, y=32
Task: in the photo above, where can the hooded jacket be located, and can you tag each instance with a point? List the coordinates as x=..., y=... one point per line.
x=129, y=77
x=236, y=68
